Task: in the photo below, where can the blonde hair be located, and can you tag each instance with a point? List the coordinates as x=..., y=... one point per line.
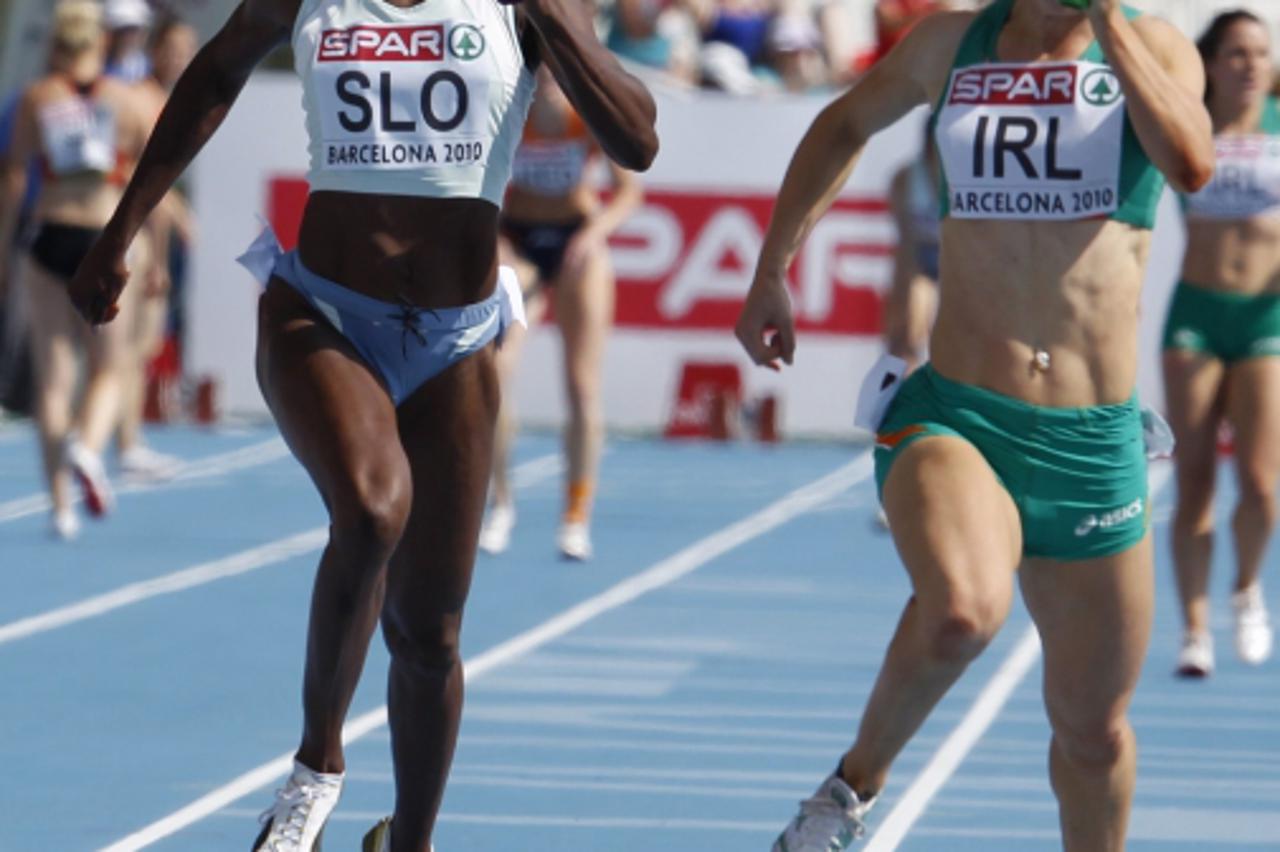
x=77, y=25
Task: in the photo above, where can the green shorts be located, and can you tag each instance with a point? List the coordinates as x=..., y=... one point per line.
x=1228, y=326
x=1078, y=476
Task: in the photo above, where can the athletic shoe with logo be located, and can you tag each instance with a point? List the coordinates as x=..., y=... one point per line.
x=64, y=525
x=89, y=471
x=296, y=821
x=1196, y=657
x=574, y=541
x=829, y=821
x=140, y=463
x=495, y=535
x=1254, y=636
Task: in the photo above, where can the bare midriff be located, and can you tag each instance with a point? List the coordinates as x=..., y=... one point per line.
x=431, y=252
x=1046, y=312
x=525, y=206
x=1236, y=256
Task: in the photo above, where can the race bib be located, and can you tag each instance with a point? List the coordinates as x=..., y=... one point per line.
x=1040, y=141
x=1246, y=179
x=79, y=137
x=402, y=97
x=550, y=168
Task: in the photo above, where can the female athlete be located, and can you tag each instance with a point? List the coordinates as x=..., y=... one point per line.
x=1018, y=451
x=373, y=347
x=86, y=130
x=556, y=227
x=1222, y=341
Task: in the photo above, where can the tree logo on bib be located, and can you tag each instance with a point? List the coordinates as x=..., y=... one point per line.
x=1100, y=87
x=466, y=42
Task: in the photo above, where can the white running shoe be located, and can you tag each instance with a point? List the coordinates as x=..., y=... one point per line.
x=296, y=820
x=64, y=525
x=495, y=535
x=574, y=541
x=140, y=463
x=830, y=821
x=92, y=476
x=1254, y=636
x=1196, y=657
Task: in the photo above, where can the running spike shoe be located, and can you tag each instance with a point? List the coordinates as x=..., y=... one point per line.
x=64, y=524
x=140, y=463
x=829, y=821
x=89, y=471
x=1254, y=636
x=1196, y=657
x=574, y=541
x=495, y=535
x=295, y=822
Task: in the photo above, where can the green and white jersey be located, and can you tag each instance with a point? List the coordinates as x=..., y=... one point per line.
x=1246, y=175
x=1041, y=140
x=425, y=100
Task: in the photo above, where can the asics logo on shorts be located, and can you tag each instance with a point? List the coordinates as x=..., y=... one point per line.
x=1107, y=520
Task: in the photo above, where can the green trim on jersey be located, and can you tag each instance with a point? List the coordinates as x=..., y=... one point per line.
x=1270, y=123
x=1140, y=183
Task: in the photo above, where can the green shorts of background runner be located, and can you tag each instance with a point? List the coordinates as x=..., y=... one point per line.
x=1078, y=476
x=1227, y=326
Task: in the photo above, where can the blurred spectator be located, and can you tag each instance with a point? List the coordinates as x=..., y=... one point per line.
x=656, y=34
x=892, y=20
x=127, y=23
x=795, y=52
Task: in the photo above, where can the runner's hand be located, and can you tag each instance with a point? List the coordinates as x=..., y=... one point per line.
x=98, y=282
x=766, y=328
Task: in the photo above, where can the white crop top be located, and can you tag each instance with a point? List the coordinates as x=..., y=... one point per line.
x=428, y=100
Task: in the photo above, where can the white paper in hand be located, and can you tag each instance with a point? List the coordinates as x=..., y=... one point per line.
x=878, y=390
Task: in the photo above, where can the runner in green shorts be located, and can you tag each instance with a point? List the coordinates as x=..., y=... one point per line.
x=1017, y=453
x=1222, y=339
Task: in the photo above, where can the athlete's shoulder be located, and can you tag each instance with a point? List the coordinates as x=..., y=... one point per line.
x=1161, y=36
x=929, y=50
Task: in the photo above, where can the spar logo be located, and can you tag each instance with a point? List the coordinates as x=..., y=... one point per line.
x=1040, y=85
x=1100, y=87
x=1107, y=520
x=466, y=42
x=423, y=43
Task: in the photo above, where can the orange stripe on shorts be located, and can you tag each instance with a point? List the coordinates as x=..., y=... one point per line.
x=890, y=440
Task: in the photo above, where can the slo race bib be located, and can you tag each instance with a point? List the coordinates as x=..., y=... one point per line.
x=402, y=97
x=1041, y=142
x=1246, y=180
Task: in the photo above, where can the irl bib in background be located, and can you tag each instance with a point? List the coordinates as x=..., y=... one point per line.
x=1042, y=141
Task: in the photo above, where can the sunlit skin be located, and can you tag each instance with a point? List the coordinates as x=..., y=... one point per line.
x=1240, y=256
x=1010, y=289
x=404, y=485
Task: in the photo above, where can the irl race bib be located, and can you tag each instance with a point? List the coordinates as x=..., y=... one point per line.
x=1040, y=141
x=1246, y=180
x=79, y=137
x=403, y=97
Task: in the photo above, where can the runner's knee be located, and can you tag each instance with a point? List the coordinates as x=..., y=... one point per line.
x=428, y=646
x=1098, y=744
x=370, y=513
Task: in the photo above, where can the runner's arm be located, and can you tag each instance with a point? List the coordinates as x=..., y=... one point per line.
x=615, y=105
x=823, y=162
x=1163, y=82
x=200, y=101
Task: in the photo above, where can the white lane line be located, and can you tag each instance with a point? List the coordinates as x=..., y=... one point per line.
x=982, y=714
x=656, y=576
x=239, y=563
x=271, y=553
x=211, y=466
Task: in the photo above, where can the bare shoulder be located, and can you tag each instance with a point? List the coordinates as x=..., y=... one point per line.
x=1163, y=38
x=931, y=46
